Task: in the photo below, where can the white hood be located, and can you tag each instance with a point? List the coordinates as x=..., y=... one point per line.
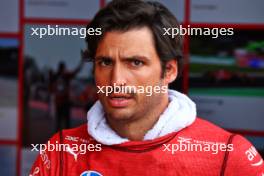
x=180, y=113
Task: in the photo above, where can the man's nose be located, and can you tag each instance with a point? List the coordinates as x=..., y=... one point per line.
x=118, y=77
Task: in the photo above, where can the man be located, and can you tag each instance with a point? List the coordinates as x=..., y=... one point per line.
x=135, y=132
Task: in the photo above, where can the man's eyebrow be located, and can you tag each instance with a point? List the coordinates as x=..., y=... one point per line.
x=102, y=58
x=136, y=57
x=124, y=58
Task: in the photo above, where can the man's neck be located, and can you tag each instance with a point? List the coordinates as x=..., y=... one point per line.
x=136, y=130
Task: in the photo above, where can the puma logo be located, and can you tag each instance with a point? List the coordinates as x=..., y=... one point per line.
x=75, y=155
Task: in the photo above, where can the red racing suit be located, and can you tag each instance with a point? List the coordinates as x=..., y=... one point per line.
x=201, y=149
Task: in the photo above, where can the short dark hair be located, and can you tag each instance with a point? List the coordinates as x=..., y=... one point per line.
x=123, y=15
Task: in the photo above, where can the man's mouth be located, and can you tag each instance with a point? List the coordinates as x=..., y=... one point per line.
x=119, y=100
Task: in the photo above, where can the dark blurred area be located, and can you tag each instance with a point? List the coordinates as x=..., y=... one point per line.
x=9, y=66
x=54, y=100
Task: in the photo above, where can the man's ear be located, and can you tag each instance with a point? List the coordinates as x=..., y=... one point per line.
x=171, y=71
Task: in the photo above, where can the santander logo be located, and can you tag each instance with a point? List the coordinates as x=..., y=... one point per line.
x=91, y=173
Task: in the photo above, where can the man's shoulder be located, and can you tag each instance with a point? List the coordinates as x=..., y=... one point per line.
x=77, y=134
x=204, y=129
x=243, y=155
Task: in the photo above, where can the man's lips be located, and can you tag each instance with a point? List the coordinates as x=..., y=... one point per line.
x=120, y=95
x=119, y=100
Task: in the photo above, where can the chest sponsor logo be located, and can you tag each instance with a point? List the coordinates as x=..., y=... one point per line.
x=78, y=139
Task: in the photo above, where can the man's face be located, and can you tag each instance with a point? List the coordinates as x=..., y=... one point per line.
x=128, y=59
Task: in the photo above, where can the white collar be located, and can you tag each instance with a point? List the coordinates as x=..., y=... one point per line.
x=180, y=113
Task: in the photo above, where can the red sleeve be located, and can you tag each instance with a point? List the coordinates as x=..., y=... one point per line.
x=48, y=161
x=244, y=160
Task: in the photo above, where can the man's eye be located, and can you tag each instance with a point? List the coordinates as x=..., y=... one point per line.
x=136, y=63
x=105, y=62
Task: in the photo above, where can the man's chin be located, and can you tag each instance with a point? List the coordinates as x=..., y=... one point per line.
x=119, y=114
